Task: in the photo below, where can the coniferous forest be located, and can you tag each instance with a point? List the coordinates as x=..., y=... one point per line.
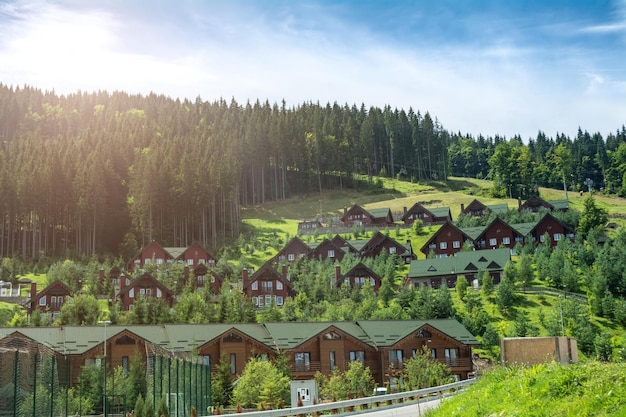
x=88, y=173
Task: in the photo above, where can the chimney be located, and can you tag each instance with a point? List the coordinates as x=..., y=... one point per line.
x=462, y=207
x=337, y=272
x=345, y=210
x=244, y=276
x=284, y=271
x=185, y=274
x=408, y=242
x=519, y=203
x=404, y=208
x=122, y=282
x=101, y=276
x=33, y=289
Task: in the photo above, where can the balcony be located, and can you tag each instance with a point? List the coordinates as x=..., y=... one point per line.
x=307, y=367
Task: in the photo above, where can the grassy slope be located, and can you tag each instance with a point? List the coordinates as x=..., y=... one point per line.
x=584, y=389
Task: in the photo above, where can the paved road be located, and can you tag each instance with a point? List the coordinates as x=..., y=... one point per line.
x=404, y=410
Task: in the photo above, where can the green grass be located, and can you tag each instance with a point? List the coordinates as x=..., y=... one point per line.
x=584, y=389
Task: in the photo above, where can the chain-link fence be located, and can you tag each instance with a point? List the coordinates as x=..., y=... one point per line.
x=37, y=382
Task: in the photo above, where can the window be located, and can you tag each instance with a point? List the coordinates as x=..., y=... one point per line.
x=452, y=356
x=125, y=365
x=443, y=245
x=279, y=300
x=159, y=261
x=255, y=301
x=201, y=280
x=267, y=286
x=211, y=261
x=392, y=250
x=131, y=293
x=303, y=361
x=233, y=364
x=456, y=244
x=255, y=285
x=206, y=360
x=357, y=355
x=212, y=279
x=506, y=240
x=331, y=253
x=291, y=257
x=279, y=285
x=557, y=237
x=542, y=238
x=395, y=358
x=493, y=241
x=42, y=301
x=332, y=360
x=158, y=293
x=268, y=300
x=372, y=281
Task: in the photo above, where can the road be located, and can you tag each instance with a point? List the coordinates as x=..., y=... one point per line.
x=404, y=410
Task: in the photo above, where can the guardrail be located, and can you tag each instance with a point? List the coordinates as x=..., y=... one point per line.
x=378, y=402
x=553, y=292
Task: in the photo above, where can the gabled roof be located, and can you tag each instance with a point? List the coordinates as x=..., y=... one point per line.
x=499, y=221
x=380, y=213
x=460, y=263
x=278, y=336
x=148, y=280
x=440, y=230
x=358, y=267
x=560, y=205
x=441, y=212
x=498, y=208
x=386, y=333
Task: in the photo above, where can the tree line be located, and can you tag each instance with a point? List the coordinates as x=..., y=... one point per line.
x=102, y=173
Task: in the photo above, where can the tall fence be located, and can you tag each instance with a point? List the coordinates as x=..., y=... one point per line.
x=38, y=382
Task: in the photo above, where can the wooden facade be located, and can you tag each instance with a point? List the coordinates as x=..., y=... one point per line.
x=383, y=346
x=50, y=300
x=427, y=216
x=357, y=215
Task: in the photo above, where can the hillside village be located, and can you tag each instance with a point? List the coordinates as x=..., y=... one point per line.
x=450, y=253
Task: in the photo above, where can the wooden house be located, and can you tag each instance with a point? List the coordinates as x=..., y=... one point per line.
x=478, y=209
x=435, y=272
x=267, y=286
x=358, y=277
x=144, y=286
x=294, y=249
x=428, y=216
x=357, y=215
x=380, y=243
x=50, y=300
x=446, y=241
x=326, y=250
x=535, y=203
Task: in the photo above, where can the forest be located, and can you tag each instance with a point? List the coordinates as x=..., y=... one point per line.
x=106, y=172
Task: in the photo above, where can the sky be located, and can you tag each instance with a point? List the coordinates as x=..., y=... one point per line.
x=504, y=67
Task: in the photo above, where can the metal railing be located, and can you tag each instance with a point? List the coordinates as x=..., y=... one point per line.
x=360, y=405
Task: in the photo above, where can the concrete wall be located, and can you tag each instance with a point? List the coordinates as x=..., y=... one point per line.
x=534, y=350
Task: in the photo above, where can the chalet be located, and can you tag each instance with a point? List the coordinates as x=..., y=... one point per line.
x=496, y=234
x=152, y=253
x=535, y=203
x=383, y=346
x=357, y=215
x=345, y=245
x=435, y=272
x=358, y=277
x=326, y=250
x=434, y=215
x=380, y=243
x=446, y=241
x=195, y=255
x=478, y=209
x=144, y=286
x=292, y=251
x=309, y=226
x=549, y=226
x=203, y=278
x=49, y=300
x=267, y=286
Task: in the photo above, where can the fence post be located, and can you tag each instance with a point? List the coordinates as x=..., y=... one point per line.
x=15, y=381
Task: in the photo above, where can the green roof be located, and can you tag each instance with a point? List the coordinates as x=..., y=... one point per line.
x=440, y=211
x=560, y=204
x=460, y=263
x=188, y=337
x=379, y=212
x=473, y=232
x=499, y=208
x=524, y=228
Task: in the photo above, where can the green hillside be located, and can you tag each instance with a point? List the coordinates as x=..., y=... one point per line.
x=585, y=389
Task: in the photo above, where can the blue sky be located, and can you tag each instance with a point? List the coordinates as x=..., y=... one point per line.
x=480, y=67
